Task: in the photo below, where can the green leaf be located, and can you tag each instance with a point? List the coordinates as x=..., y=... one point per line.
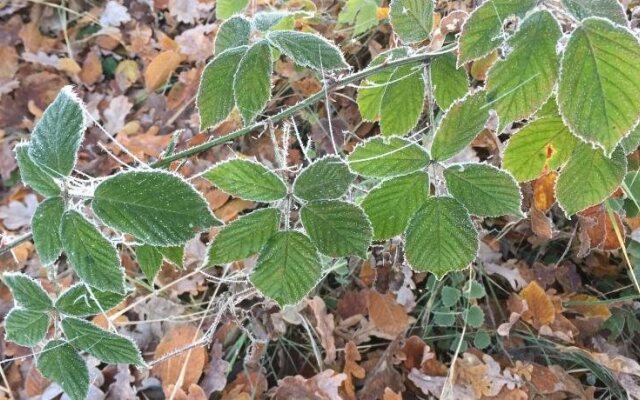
x=215, y=98
x=326, y=178
x=337, y=228
x=484, y=190
x=308, y=50
x=444, y=317
x=27, y=292
x=450, y=296
x=156, y=207
x=386, y=157
x=474, y=316
x=60, y=363
x=391, y=204
x=449, y=82
x=412, y=20
x=287, y=268
x=265, y=21
x=631, y=142
x=34, y=176
x=482, y=32
x=589, y=178
x=361, y=13
x=243, y=237
x=460, y=125
x=26, y=327
x=103, y=345
x=173, y=254
x=93, y=257
x=45, y=226
x=247, y=180
x=474, y=290
x=481, y=340
x=608, y=9
x=252, y=82
x=150, y=261
x=233, y=32
x=599, y=83
x=520, y=84
x=227, y=8
x=545, y=143
x=441, y=237
x=57, y=136
x=81, y=301
x=394, y=96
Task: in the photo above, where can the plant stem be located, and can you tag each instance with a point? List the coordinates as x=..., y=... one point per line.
x=287, y=112
x=15, y=243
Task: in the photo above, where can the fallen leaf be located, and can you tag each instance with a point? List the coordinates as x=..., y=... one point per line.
x=114, y=14
x=161, y=68
x=116, y=113
x=390, y=318
x=185, y=368
x=324, y=326
x=540, y=307
x=8, y=62
x=91, y=68
x=18, y=214
x=195, y=43
x=215, y=376
x=323, y=386
x=544, y=192
x=595, y=310
x=188, y=11
x=351, y=369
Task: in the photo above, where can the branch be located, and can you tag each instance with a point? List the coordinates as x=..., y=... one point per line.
x=284, y=114
x=15, y=243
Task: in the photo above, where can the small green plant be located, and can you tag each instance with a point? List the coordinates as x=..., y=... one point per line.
x=575, y=103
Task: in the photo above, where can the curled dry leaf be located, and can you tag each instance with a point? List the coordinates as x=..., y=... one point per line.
x=597, y=230
x=323, y=386
x=452, y=23
x=324, y=326
x=544, y=193
x=540, y=307
x=389, y=318
x=161, y=68
x=351, y=369
x=185, y=368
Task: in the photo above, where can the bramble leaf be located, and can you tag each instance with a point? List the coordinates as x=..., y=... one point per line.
x=631, y=142
x=287, y=268
x=337, y=228
x=599, y=83
x=265, y=21
x=173, y=254
x=57, y=136
x=412, y=20
x=45, y=226
x=27, y=292
x=460, y=125
x=391, y=204
x=77, y=301
x=93, y=257
x=361, y=13
x=308, y=50
x=26, y=327
x=326, y=178
x=589, y=178
x=103, y=345
x=482, y=32
x=243, y=237
x=252, y=82
x=484, y=190
x=150, y=261
x=608, y=9
x=156, y=207
x=60, y=363
x=387, y=157
x=518, y=85
x=227, y=8
x=34, y=176
x=233, y=32
x=441, y=237
x=247, y=180
x=449, y=83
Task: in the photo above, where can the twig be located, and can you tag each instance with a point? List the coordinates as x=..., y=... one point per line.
x=11, y=245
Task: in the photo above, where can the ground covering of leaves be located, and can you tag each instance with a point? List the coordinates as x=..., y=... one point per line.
x=548, y=310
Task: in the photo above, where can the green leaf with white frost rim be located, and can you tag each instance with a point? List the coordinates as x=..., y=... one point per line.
x=215, y=98
x=243, y=237
x=484, y=190
x=27, y=292
x=45, y=226
x=589, y=178
x=387, y=157
x=520, y=84
x=57, y=136
x=361, y=13
x=26, y=327
x=173, y=254
x=337, y=228
x=395, y=96
x=461, y=124
x=156, y=207
x=449, y=83
x=34, y=176
x=631, y=142
x=227, y=8
x=481, y=32
x=441, y=237
x=412, y=20
x=93, y=257
x=391, y=204
x=599, y=83
x=308, y=50
x=78, y=301
x=60, y=363
x=252, y=82
x=247, y=180
x=326, y=178
x=103, y=345
x=287, y=268
x=150, y=261
x=233, y=32
x=545, y=143
x=609, y=9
